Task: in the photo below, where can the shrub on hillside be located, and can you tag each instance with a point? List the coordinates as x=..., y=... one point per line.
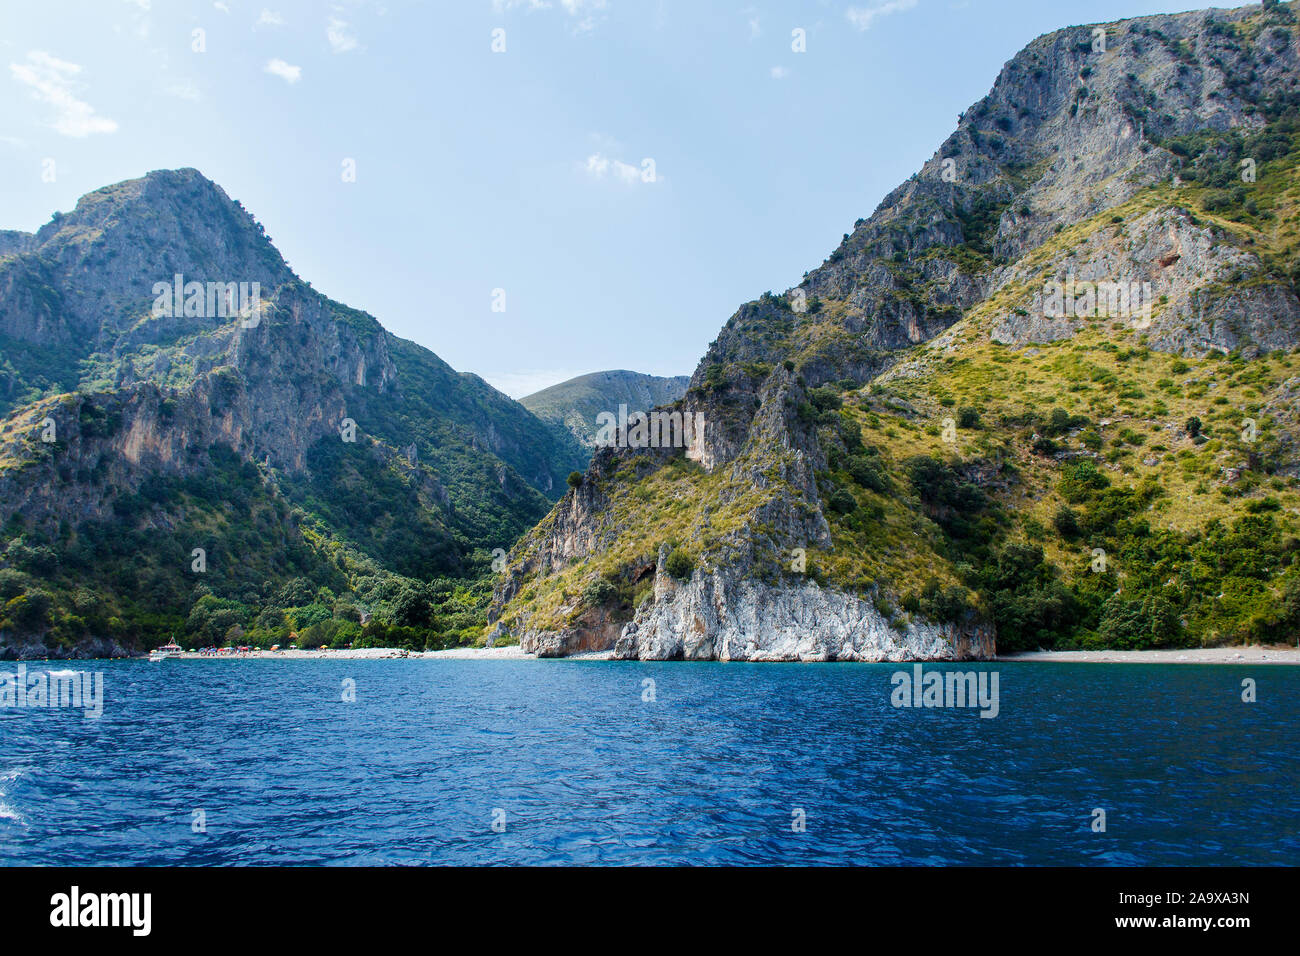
x=1080, y=479
x=867, y=471
x=842, y=502
x=598, y=593
x=1066, y=522
x=679, y=564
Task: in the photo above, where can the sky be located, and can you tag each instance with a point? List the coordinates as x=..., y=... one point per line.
x=532, y=189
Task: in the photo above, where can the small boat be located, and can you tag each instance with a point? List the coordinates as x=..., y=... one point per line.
x=164, y=652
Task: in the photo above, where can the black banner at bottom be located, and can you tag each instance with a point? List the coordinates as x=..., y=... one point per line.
x=335, y=905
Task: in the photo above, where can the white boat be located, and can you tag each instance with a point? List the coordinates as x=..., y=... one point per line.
x=164, y=652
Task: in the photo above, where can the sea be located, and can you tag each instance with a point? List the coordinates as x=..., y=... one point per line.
x=522, y=762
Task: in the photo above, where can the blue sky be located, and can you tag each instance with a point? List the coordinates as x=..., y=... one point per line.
x=522, y=170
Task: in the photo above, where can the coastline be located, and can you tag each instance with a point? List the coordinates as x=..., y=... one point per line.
x=509, y=652
x=1253, y=654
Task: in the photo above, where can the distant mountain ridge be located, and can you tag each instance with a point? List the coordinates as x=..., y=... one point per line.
x=310, y=445
x=574, y=404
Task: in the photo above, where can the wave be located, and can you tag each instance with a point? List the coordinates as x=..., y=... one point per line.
x=7, y=810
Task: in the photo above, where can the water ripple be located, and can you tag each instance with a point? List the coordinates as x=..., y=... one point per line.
x=573, y=767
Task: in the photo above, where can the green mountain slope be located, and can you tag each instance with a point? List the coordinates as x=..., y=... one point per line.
x=915, y=454
x=308, y=450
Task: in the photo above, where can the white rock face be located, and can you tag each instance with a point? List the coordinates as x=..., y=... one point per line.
x=717, y=617
x=1186, y=272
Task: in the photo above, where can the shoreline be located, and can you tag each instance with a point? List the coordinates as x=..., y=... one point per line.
x=510, y=652
x=1254, y=654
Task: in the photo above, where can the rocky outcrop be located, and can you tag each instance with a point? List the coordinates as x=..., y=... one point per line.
x=721, y=616
x=15, y=647
x=1186, y=287
x=1069, y=132
x=12, y=241
x=595, y=632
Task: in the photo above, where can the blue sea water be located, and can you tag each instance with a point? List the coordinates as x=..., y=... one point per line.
x=580, y=769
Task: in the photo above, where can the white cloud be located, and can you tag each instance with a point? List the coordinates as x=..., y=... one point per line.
x=270, y=18
x=864, y=17
x=600, y=166
x=221, y=6
x=53, y=81
x=288, y=73
x=341, y=41
x=779, y=72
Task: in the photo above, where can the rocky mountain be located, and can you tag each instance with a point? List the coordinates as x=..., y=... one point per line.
x=1043, y=396
x=195, y=442
x=574, y=405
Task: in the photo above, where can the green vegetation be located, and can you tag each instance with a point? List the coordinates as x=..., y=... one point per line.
x=386, y=538
x=270, y=573
x=679, y=564
x=1076, y=548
